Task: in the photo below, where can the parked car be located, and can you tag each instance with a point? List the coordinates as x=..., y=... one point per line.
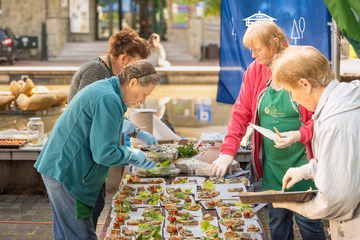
x=7, y=45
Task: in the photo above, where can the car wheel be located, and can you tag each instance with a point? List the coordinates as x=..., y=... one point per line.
x=11, y=60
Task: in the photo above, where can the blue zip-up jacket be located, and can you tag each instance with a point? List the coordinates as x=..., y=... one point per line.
x=86, y=141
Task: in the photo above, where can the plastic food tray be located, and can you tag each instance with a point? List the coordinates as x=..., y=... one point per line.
x=199, y=180
x=218, y=211
x=143, y=181
x=196, y=230
x=224, y=191
x=193, y=187
x=247, y=224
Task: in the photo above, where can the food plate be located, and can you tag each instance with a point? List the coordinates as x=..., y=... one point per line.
x=276, y=196
x=160, y=188
x=202, y=202
x=253, y=236
x=182, y=201
x=135, y=228
x=192, y=187
x=196, y=230
x=218, y=212
x=199, y=180
x=12, y=143
x=224, y=191
x=247, y=224
x=147, y=181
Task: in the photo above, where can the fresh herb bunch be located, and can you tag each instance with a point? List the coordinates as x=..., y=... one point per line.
x=187, y=151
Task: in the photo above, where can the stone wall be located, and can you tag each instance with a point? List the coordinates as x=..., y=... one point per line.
x=57, y=26
x=90, y=36
x=201, y=31
x=24, y=18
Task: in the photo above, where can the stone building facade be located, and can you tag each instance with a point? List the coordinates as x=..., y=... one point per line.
x=48, y=22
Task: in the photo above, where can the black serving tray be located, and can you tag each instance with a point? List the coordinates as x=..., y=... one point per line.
x=12, y=145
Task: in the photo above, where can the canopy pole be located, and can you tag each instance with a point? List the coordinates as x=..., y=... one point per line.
x=335, y=49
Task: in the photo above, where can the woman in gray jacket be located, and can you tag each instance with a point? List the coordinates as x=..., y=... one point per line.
x=305, y=73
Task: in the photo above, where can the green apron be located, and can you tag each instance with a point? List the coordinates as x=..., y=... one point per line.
x=277, y=110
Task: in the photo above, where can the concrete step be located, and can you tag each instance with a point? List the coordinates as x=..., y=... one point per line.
x=178, y=52
x=81, y=51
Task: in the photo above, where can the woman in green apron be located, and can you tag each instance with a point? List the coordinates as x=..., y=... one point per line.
x=261, y=103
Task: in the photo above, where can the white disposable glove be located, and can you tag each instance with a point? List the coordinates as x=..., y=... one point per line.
x=287, y=139
x=294, y=175
x=221, y=164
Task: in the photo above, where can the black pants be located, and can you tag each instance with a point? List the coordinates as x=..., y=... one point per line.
x=99, y=205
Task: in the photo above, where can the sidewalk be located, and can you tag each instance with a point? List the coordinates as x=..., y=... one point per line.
x=30, y=217
x=37, y=63
x=349, y=67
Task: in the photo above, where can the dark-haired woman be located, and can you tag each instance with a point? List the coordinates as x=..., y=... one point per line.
x=125, y=47
x=86, y=141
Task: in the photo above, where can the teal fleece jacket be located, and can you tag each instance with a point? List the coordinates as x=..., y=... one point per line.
x=86, y=141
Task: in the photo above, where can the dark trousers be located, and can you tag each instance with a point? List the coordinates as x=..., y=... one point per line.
x=281, y=225
x=99, y=205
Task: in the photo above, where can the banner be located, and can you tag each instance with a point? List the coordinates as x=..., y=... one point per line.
x=347, y=16
x=79, y=16
x=305, y=22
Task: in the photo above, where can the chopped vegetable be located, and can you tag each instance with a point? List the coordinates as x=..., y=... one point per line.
x=208, y=185
x=187, y=151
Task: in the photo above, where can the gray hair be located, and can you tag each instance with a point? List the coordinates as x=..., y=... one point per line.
x=142, y=70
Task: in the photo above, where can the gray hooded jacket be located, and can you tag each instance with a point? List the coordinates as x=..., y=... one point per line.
x=336, y=167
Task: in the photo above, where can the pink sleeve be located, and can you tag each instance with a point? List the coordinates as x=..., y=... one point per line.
x=240, y=116
x=306, y=131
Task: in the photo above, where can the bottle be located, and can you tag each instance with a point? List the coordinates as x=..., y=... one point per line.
x=35, y=132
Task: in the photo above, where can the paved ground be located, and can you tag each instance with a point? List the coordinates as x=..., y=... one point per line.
x=30, y=217
x=79, y=63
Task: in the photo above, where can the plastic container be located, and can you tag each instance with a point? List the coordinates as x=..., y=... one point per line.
x=35, y=132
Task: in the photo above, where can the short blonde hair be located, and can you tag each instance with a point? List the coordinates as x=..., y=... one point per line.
x=298, y=62
x=266, y=32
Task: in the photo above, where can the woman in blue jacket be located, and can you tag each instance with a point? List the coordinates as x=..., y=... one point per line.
x=86, y=141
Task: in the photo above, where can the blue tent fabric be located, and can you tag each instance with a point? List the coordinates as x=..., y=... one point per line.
x=305, y=22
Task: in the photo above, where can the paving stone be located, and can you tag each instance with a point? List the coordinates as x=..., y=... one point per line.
x=33, y=208
x=15, y=206
x=4, y=205
x=43, y=199
x=21, y=199
x=9, y=198
x=2, y=197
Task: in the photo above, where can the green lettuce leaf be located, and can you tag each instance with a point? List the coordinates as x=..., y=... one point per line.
x=208, y=185
x=154, y=199
x=182, y=195
x=154, y=215
x=166, y=163
x=204, y=225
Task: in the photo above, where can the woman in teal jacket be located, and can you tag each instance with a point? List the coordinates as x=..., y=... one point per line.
x=86, y=141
